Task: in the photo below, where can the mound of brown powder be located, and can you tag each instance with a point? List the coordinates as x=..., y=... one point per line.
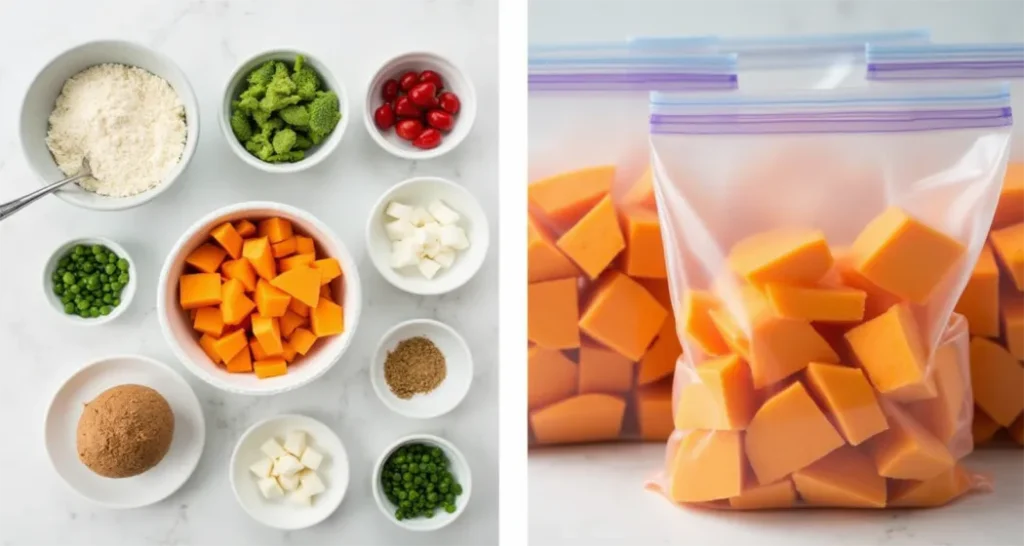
x=416, y=366
x=125, y=431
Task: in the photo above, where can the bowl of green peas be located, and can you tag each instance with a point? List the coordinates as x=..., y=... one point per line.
x=422, y=482
x=90, y=280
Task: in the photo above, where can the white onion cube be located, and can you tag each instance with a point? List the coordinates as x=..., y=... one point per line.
x=442, y=213
x=286, y=465
x=403, y=255
x=428, y=267
x=454, y=237
x=270, y=488
x=289, y=483
x=398, y=210
x=311, y=459
x=295, y=442
x=311, y=484
x=399, y=229
x=446, y=257
x=272, y=449
x=262, y=468
x=420, y=217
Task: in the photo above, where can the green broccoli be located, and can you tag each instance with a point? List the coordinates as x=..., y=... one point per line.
x=306, y=80
x=302, y=142
x=240, y=125
x=255, y=91
x=300, y=62
x=262, y=75
x=284, y=140
x=272, y=125
x=287, y=157
x=324, y=115
x=261, y=117
x=247, y=104
x=295, y=115
x=260, y=146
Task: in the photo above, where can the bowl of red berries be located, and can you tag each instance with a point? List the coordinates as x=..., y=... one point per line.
x=419, y=106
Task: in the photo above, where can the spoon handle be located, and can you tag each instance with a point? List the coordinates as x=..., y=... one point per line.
x=9, y=208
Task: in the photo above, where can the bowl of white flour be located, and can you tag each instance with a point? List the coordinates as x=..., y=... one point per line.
x=127, y=108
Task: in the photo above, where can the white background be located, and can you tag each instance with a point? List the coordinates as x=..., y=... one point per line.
x=594, y=495
x=207, y=40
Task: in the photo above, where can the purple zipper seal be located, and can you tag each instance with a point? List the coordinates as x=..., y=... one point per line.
x=631, y=81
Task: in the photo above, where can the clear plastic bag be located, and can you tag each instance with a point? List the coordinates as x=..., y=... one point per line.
x=993, y=301
x=816, y=245
x=815, y=61
x=600, y=355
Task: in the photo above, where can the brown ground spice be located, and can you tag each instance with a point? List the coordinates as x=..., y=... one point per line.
x=416, y=366
x=125, y=431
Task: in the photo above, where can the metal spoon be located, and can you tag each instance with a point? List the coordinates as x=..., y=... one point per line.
x=11, y=207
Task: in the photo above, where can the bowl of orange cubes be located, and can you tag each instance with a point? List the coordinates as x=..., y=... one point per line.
x=259, y=298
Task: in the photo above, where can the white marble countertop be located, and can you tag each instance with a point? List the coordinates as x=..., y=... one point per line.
x=594, y=495
x=207, y=39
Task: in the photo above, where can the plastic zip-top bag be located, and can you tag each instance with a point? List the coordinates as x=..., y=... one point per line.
x=810, y=61
x=993, y=301
x=816, y=244
x=601, y=344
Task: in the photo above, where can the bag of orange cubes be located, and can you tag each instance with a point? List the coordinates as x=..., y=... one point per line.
x=817, y=243
x=602, y=344
x=993, y=301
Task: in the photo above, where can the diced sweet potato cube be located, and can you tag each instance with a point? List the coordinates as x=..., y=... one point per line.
x=257, y=351
x=1008, y=243
x=944, y=414
x=235, y=305
x=783, y=256
x=290, y=321
x=780, y=494
x=720, y=398
x=642, y=191
x=270, y=367
x=288, y=351
x=208, y=343
x=550, y=377
x=983, y=428
x=877, y=300
x=227, y=236
x=245, y=228
x=979, y=302
x=849, y=400
x=327, y=319
x=1012, y=316
x=208, y=320
x=654, y=411
x=241, y=363
x=580, y=419
x=708, y=465
x=206, y=258
x=622, y=315
x=229, y=345
x=566, y=197
x=268, y=331
x=997, y=379
x=816, y=304
x=295, y=260
x=544, y=261
x=890, y=349
x=276, y=229
x=907, y=451
x=937, y=491
x=301, y=283
x=199, y=290
x=595, y=240
x=304, y=245
x=644, y=255
x=242, y=271
x=660, y=359
x=302, y=340
x=844, y=478
x=271, y=301
x=260, y=256
x=553, y=314
x=604, y=370
x=284, y=248
x=1016, y=430
x=697, y=324
x=298, y=308
x=329, y=269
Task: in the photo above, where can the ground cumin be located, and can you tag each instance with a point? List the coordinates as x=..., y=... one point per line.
x=416, y=366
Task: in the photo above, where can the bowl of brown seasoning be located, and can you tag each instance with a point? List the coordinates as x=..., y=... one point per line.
x=422, y=369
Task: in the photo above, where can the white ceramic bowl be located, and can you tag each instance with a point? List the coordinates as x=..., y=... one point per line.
x=46, y=87
x=457, y=466
x=421, y=191
x=281, y=514
x=127, y=294
x=177, y=327
x=458, y=369
x=156, y=483
x=237, y=83
x=455, y=80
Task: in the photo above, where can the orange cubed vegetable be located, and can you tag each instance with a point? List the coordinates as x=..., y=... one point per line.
x=604, y=370
x=780, y=494
x=660, y=359
x=642, y=191
x=227, y=236
x=284, y=248
x=788, y=433
x=268, y=331
x=301, y=283
x=206, y=258
x=907, y=451
x=783, y=256
x=276, y=229
x=199, y=290
x=720, y=398
x=271, y=301
x=1011, y=199
x=550, y=377
x=290, y=321
x=544, y=261
x=245, y=228
x=659, y=289
x=260, y=256
x=566, y=197
x=937, y=491
x=904, y=256
x=849, y=400
x=302, y=340
x=844, y=478
x=553, y=314
x=595, y=240
x=708, y=465
x=241, y=363
x=257, y=351
x=816, y=304
x=329, y=269
x=242, y=271
x=654, y=411
x=235, y=305
x=208, y=343
x=983, y=428
x=944, y=414
x=621, y=315
x=298, y=308
x=304, y=245
x=288, y=351
x=697, y=324
x=1008, y=243
x=270, y=367
x=997, y=379
x=295, y=260
x=890, y=350
x=979, y=302
x=1012, y=317
x=1016, y=430
x=580, y=419
x=644, y=255
x=877, y=300
x=229, y=345
x=208, y=320
x=327, y=319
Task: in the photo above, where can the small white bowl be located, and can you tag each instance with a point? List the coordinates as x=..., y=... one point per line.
x=177, y=328
x=46, y=87
x=420, y=191
x=455, y=80
x=127, y=294
x=458, y=468
x=237, y=83
x=281, y=514
x=458, y=369
x=158, y=482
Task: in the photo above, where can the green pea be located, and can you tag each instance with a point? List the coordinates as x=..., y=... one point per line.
x=63, y=262
x=457, y=489
x=79, y=250
x=413, y=467
x=105, y=310
x=407, y=477
x=405, y=504
x=122, y=278
x=117, y=301
x=443, y=488
x=94, y=312
x=82, y=305
x=109, y=269
x=69, y=308
x=122, y=264
x=75, y=289
x=449, y=498
x=432, y=497
x=69, y=278
x=428, y=515
x=84, y=313
x=399, y=514
x=425, y=459
x=450, y=508
x=58, y=289
x=402, y=495
x=67, y=298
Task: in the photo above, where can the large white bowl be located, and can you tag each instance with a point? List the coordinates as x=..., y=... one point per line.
x=455, y=80
x=237, y=83
x=46, y=87
x=177, y=327
x=420, y=191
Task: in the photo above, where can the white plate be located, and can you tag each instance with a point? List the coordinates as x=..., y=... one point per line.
x=458, y=370
x=151, y=486
x=281, y=514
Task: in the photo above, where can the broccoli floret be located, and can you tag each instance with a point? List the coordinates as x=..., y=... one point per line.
x=324, y=115
x=240, y=125
x=262, y=75
x=300, y=61
x=248, y=104
x=287, y=157
x=284, y=140
x=261, y=117
x=255, y=91
x=307, y=82
x=296, y=115
x=260, y=146
x=302, y=142
x=271, y=125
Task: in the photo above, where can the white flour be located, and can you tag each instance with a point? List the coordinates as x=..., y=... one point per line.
x=130, y=123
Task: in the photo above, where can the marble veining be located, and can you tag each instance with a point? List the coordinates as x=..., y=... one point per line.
x=208, y=39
